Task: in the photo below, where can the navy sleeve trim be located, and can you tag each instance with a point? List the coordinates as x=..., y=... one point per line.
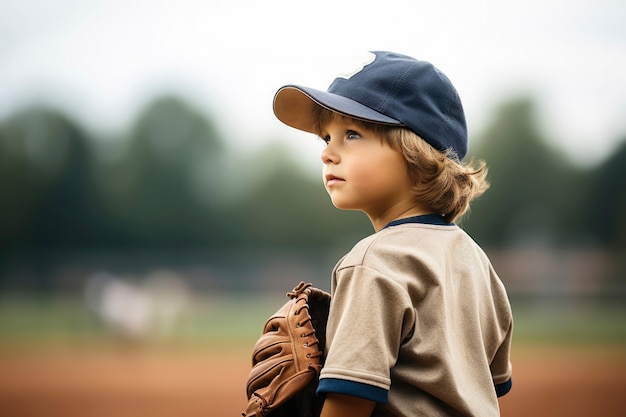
x=504, y=388
x=356, y=389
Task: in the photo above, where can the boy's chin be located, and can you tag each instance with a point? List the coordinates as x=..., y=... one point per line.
x=343, y=206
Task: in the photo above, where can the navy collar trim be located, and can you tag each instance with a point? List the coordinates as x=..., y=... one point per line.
x=434, y=219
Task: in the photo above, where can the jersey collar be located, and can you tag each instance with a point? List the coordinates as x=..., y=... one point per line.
x=434, y=219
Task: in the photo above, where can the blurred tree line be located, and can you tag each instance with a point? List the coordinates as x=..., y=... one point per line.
x=170, y=182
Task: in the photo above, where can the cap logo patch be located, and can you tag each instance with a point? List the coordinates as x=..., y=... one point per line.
x=356, y=64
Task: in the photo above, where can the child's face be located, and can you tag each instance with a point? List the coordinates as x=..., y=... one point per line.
x=362, y=172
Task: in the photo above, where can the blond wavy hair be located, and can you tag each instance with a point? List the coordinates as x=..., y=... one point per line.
x=440, y=180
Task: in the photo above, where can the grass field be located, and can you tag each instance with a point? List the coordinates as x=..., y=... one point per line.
x=225, y=319
x=57, y=358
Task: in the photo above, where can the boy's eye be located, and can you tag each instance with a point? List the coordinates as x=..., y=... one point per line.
x=326, y=139
x=351, y=134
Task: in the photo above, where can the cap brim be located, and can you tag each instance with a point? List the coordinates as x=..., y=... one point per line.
x=294, y=105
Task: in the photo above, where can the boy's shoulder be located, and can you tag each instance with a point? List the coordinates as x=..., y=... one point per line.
x=397, y=242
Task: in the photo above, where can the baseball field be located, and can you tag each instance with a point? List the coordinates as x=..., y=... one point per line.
x=60, y=362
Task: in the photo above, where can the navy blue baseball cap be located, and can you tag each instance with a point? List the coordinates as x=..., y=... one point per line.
x=385, y=88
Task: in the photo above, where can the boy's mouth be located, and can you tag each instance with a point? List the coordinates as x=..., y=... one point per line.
x=333, y=179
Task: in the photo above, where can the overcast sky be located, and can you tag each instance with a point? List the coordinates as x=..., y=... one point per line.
x=102, y=60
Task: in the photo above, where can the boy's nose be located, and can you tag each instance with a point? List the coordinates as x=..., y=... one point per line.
x=328, y=156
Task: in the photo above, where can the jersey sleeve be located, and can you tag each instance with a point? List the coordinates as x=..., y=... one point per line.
x=500, y=366
x=369, y=318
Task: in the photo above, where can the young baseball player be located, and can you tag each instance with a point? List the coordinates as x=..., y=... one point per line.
x=419, y=324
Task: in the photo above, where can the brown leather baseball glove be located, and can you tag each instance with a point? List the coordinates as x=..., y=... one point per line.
x=288, y=357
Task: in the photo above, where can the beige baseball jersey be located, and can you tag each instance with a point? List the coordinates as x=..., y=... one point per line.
x=419, y=323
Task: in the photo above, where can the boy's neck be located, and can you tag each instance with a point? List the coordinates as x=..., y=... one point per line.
x=381, y=221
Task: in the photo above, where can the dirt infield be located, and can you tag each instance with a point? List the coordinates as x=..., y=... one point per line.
x=136, y=383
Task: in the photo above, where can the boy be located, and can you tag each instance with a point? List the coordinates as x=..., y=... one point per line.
x=419, y=324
